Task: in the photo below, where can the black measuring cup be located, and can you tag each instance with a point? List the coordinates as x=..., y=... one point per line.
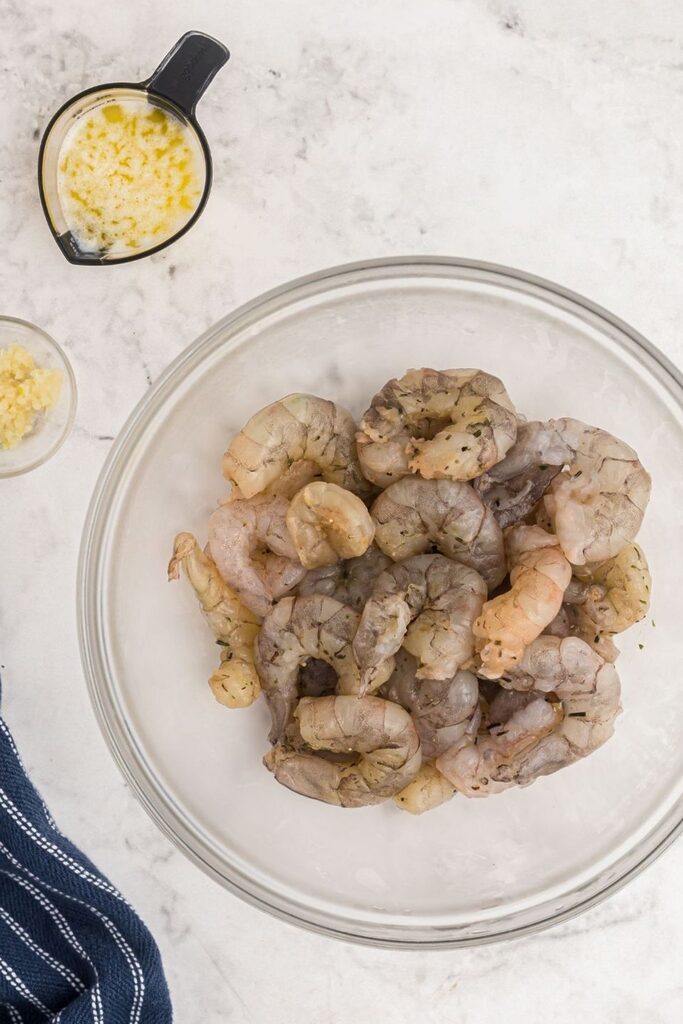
x=176, y=86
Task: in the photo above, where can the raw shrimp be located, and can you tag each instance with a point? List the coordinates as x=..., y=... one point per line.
x=429, y=789
x=235, y=683
x=514, y=486
x=596, y=500
x=565, y=624
x=382, y=734
x=604, y=646
x=538, y=733
x=512, y=502
x=589, y=714
x=298, y=629
x=442, y=709
x=252, y=547
x=555, y=664
x=327, y=523
x=508, y=708
x=539, y=575
x=350, y=581
x=296, y=428
x=604, y=599
x=486, y=764
x=616, y=594
x=590, y=705
x=286, y=486
x=448, y=424
x=541, y=517
x=413, y=514
x=519, y=719
x=427, y=604
x=598, y=504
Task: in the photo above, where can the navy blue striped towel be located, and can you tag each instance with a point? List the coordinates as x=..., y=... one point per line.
x=71, y=949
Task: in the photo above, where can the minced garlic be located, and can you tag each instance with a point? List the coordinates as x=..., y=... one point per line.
x=25, y=391
x=130, y=176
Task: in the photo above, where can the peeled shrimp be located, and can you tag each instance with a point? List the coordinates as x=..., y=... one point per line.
x=564, y=625
x=286, y=486
x=298, y=629
x=447, y=424
x=235, y=683
x=555, y=664
x=597, y=502
x=382, y=734
x=505, y=715
x=296, y=428
x=413, y=514
x=589, y=691
x=327, y=523
x=535, y=733
x=539, y=575
x=252, y=547
x=541, y=517
x=350, y=581
x=489, y=763
x=616, y=594
x=429, y=789
x=604, y=599
x=514, y=486
x=442, y=709
x=427, y=604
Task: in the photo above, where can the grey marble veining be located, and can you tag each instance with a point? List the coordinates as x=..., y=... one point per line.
x=535, y=133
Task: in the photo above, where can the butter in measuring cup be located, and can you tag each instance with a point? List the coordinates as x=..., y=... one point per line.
x=130, y=176
x=124, y=169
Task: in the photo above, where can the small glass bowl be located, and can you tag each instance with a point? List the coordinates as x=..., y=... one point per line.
x=52, y=427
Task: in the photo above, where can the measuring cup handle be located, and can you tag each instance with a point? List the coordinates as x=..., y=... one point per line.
x=187, y=69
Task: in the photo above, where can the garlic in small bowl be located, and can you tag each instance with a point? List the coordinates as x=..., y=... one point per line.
x=37, y=396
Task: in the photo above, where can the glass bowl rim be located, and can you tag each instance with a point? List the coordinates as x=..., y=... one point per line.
x=115, y=731
x=73, y=398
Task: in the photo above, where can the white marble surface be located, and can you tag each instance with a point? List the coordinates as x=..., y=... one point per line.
x=540, y=134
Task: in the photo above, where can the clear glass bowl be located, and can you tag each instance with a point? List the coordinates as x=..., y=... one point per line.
x=53, y=427
x=471, y=871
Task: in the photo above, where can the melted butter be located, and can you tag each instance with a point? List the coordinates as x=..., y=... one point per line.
x=130, y=176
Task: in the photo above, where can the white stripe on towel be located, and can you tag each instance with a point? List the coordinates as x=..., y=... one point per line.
x=134, y=964
x=22, y=989
x=43, y=954
x=39, y=839
x=65, y=929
